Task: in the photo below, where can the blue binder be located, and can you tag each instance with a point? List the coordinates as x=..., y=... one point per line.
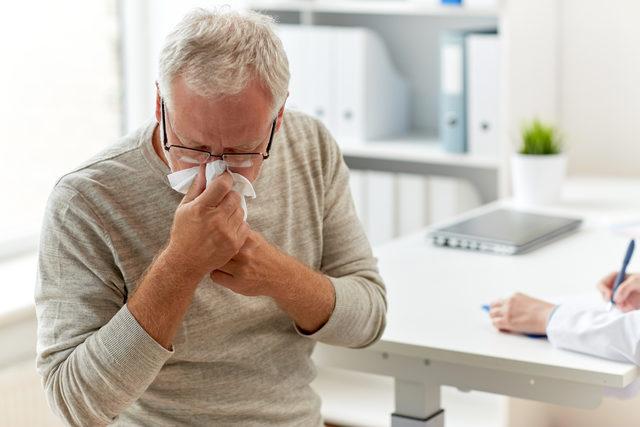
x=453, y=121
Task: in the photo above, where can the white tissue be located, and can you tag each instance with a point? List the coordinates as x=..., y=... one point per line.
x=181, y=181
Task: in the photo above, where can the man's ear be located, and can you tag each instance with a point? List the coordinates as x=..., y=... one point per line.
x=158, y=103
x=281, y=115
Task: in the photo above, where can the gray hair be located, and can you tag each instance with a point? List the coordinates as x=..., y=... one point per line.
x=218, y=51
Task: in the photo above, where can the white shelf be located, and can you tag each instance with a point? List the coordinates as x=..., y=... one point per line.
x=416, y=154
x=380, y=7
x=416, y=148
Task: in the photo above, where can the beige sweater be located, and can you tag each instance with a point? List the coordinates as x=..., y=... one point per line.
x=236, y=360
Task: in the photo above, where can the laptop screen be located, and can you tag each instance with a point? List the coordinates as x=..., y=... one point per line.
x=508, y=227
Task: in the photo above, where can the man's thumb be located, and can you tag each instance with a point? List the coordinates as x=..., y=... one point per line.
x=197, y=186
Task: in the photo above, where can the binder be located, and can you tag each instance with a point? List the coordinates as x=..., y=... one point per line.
x=345, y=77
x=483, y=84
x=350, y=96
x=452, y=123
x=372, y=98
x=295, y=44
x=320, y=68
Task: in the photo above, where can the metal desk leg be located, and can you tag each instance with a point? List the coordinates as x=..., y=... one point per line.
x=417, y=405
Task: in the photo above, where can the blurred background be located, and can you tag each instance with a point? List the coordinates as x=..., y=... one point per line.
x=446, y=86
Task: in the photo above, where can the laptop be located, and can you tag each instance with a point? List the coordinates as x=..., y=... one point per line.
x=504, y=231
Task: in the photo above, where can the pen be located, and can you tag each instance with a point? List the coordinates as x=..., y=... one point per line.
x=623, y=271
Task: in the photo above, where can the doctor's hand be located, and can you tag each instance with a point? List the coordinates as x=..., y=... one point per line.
x=521, y=313
x=627, y=296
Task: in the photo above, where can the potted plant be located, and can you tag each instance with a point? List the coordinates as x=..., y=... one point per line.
x=538, y=167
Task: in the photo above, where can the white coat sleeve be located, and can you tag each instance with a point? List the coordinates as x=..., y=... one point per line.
x=596, y=331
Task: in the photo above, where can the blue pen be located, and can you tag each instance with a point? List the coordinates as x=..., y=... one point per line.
x=487, y=308
x=623, y=271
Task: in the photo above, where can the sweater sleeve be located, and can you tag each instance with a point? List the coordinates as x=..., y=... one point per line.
x=94, y=358
x=596, y=331
x=358, y=318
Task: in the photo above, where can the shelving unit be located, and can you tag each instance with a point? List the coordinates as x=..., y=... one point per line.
x=419, y=148
x=418, y=155
x=400, y=23
x=426, y=157
x=397, y=7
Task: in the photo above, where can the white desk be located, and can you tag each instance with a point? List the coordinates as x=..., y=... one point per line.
x=437, y=333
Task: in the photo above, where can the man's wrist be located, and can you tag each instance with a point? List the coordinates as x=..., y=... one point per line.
x=305, y=294
x=328, y=302
x=174, y=263
x=162, y=297
x=282, y=287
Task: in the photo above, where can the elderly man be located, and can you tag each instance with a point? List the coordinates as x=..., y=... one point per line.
x=158, y=308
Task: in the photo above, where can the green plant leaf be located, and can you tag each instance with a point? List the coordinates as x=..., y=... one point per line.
x=540, y=139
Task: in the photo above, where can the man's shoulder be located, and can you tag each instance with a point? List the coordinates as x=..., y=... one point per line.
x=301, y=125
x=107, y=167
x=297, y=122
x=307, y=134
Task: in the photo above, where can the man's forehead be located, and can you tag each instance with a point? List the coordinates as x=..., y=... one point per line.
x=241, y=135
x=253, y=101
x=242, y=132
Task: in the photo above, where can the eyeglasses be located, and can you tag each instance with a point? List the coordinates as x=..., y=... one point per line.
x=198, y=156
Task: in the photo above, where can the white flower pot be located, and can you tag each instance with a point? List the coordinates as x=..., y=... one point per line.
x=537, y=179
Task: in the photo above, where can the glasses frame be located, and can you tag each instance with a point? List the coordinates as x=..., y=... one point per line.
x=167, y=146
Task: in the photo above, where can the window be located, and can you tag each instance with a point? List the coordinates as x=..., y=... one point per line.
x=60, y=91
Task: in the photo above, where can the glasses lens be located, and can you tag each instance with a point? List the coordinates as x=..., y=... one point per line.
x=241, y=160
x=189, y=156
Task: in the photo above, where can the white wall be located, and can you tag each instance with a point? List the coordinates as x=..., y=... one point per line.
x=530, y=69
x=580, y=71
x=530, y=31
x=599, y=102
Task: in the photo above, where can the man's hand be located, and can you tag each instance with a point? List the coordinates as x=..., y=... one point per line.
x=521, y=313
x=627, y=296
x=257, y=269
x=260, y=268
x=208, y=227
